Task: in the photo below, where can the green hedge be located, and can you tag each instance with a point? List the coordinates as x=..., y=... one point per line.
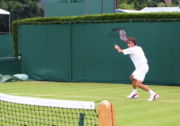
x=103, y=18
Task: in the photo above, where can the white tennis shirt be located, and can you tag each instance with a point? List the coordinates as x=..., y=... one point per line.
x=137, y=56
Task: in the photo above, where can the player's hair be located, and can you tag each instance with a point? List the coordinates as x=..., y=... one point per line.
x=132, y=40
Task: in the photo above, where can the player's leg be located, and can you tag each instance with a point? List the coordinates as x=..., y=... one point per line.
x=153, y=95
x=132, y=81
x=139, y=84
x=136, y=78
x=136, y=83
x=134, y=93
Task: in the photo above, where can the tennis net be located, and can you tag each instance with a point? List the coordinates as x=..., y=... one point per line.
x=28, y=111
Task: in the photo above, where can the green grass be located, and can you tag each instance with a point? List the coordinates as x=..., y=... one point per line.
x=138, y=112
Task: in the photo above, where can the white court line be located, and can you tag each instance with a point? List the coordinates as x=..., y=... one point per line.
x=92, y=97
x=178, y=101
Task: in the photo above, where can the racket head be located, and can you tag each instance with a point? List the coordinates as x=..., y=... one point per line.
x=120, y=33
x=123, y=35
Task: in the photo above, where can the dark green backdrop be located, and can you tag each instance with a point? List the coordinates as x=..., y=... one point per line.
x=84, y=52
x=45, y=52
x=8, y=65
x=6, y=46
x=56, y=8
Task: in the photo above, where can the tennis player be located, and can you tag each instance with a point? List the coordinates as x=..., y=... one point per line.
x=140, y=62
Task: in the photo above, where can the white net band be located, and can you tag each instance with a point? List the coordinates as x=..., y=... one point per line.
x=48, y=102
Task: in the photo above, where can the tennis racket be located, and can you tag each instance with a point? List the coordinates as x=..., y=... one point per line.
x=120, y=33
x=123, y=35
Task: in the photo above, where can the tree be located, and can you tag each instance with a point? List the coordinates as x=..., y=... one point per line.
x=21, y=9
x=140, y=4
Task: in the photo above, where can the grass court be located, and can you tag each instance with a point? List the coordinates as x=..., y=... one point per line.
x=129, y=112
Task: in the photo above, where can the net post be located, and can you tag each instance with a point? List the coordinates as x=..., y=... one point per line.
x=106, y=114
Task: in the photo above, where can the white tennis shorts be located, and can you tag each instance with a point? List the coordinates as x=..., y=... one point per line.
x=140, y=72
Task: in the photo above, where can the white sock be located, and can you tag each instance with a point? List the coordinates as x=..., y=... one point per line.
x=134, y=91
x=151, y=92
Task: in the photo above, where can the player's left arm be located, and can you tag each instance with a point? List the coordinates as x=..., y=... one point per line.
x=118, y=48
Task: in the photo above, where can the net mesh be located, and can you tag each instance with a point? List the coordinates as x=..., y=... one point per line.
x=19, y=114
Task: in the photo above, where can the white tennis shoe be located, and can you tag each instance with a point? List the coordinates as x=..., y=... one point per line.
x=133, y=95
x=153, y=97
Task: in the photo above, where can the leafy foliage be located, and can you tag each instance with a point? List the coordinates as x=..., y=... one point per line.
x=21, y=9
x=140, y=4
